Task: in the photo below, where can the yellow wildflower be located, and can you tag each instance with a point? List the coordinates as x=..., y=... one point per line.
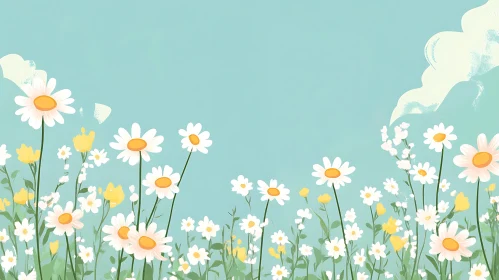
x=2, y=205
x=239, y=241
x=390, y=226
x=461, y=203
x=304, y=192
x=26, y=155
x=397, y=242
x=23, y=196
x=240, y=253
x=281, y=249
x=325, y=198
x=380, y=209
x=83, y=142
x=54, y=246
x=114, y=195
x=491, y=188
x=6, y=202
x=273, y=253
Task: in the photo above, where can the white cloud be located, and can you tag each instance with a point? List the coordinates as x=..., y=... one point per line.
x=101, y=112
x=20, y=71
x=455, y=57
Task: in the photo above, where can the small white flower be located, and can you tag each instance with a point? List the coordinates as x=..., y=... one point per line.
x=241, y=185
x=350, y=216
x=64, y=152
x=279, y=238
x=391, y=186
x=301, y=227
x=64, y=179
x=478, y=272
x=370, y=195
x=362, y=276
x=453, y=193
x=444, y=185
x=427, y=217
x=131, y=188
x=484, y=217
x=91, y=203
x=29, y=251
x=306, y=250
x=29, y=276
x=422, y=273
x=378, y=250
x=99, y=157
x=443, y=206
x=279, y=272
x=404, y=164
x=207, y=228
x=66, y=166
x=407, y=218
x=304, y=213
x=423, y=173
x=353, y=232
x=388, y=275
x=134, y=197
x=86, y=254
x=335, y=248
x=360, y=258
x=24, y=230
x=113, y=269
x=187, y=224
x=8, y=260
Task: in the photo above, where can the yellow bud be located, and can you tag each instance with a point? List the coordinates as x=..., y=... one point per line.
x=390, y=226
x=325, y=198
x=304, y=192
x=380, y=209
x=492, y=187
x=461, y=203
x=54, y=246
x=23, y=196
x=397, y=242
x=83, y=142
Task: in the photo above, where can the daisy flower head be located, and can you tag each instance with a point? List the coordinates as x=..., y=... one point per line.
x=333, y=174
x=353, y=232
x=279, y=238
x=391, y=186
x=444, y=185
x=479, y=163
x=350, y=216
x=439, y=137
x=194, y=140
x=241, y=185
x=450, y=245
x=24, y=230
x=117, y=232
x=360, y=258
x=86, y=253
x=39, y=103
x=335, y=248
x=378, y=250
x=134, y=145
x=98, y=157
x=90, y=203
x=207, y=228
x=362, y=276
x=427, y=217
x=306, y=250
x=370, y=195
x=197, y=255
x=250, y=224
x=273, y=191
x=163, y=182
x=147, y=243
x=4, y=237
x=279, y=272
x=184, y=266
x=9, y=260
x=64, y=152
x=423, y=173
x=478, y=272
x=64, y=221
x=29, y=276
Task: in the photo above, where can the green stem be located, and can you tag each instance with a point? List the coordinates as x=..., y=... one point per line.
x=37, y=222
x=261, y=240
x=152, y=211
x=480, y=231
x=120, y=256
x=140, y=200
x=423, y=195
x=417, y=227
x=438, y=180
x=70, y=259
x=343, y=229
x=372, y=219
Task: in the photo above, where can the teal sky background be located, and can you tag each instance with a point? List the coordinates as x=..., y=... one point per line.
x=279, y=85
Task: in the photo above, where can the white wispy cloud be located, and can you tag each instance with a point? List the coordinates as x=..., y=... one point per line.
x=19, y=70
x=455, y=57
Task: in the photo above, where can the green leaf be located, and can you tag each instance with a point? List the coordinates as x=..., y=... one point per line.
x=4, y=181
x=148, y=273
x=303, y=236
x=433, y=262
x=28, y=184
x=84, y=190
x=217, y=246
x=335, y=224
x=112, y=259
x=47, y=235
x=216, y=263
x=14, y=174
x=430, y=276
x=193, y=276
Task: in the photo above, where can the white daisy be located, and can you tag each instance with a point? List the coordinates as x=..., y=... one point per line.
x=306, y=250
x=197, y=255
x=273, y=191
x=479, y=163
x=40, y=103
x=360, y=258
x=333, y=174
x=391, y=186
x=335, y=248
x=99, y=157
x=279, y=238
x=207, y=228
x=64, y=221
x=444, y=185
x=450, y=245
x=64, y=152
x=279, y=272
x=91, y=203
x=194, y=140
x=404, y=164
x=439, y=136
x=304, y=213
x=241, y=185
x=350, y=216
x=485, y=217
x=400, y=134
x=162, y=181
x=86, y=254
x=362, y=276
x=427, y=217
x=3, y=154
x=423, y=173
x=378, y=250
x=4, y=237
x=147, y=243
x=443, y=206
x=478, y=272
x=249, y=224
x=370, y=195
x=134, y=145
x=184, y=266
x=353, y=232
x=117, y=232
x=24, y=230
x=9, y=260
x=187, y=224
x=29, y=276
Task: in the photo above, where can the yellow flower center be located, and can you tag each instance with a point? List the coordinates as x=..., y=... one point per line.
x=197, y=255
x=368, y=195
x=478, y=273
x=273, y=192
x=482, y=159
x=63, y=153
x=11, y=259
x=378, y=251
x=422, y=172
x=439, y=137
x=90, y=203
x=194, y=139
x=185, y=266
x=87, y=254
x=2, y=238
x=147, y=243
x=45, y=103
x=65, y=218
x=188, y=224
x=123, y=232
x=450, y=244
x=25, y=231
x=243, y=186
x=136, y=144
x=97, y=157
x=353, y=232
x=163, y=182
x=332, y=173
x=280, y=238
x=251, y=224
x=336, y=248
x=279, y=272
x=209, y=229
x=428, y=218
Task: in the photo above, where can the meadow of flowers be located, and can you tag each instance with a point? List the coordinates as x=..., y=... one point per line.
x=426, y=236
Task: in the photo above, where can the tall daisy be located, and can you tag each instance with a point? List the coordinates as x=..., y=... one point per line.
x=194, y=140
x=423, y=173
x=64, y=221
x=439, y=137
x=241, y=185
x=333, y=174
x=197, y=255
x=147, y=243
x=162, y=181
x=450, y=245
x=207, y=228
x=117, y=232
